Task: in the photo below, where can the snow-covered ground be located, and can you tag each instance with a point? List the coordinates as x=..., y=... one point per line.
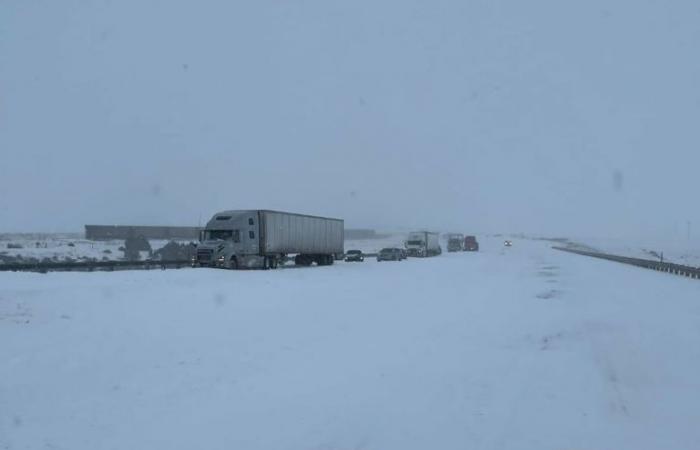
x=66, y=247
x=508, y=348
x=679, y=251
x=61, y=248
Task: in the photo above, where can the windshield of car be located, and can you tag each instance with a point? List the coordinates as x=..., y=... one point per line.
x=415, y=242
x=354, y=252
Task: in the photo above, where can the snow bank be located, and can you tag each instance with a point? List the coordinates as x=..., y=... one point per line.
x=679, y=251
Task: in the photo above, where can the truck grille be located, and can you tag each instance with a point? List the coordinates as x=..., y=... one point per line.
x=204, y=255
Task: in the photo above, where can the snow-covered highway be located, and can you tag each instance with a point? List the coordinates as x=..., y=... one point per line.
x=508, y=348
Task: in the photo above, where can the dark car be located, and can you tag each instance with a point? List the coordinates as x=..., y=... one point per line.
x=404, y=253
x=354, y=255
x=389, y=254
x=470, y=244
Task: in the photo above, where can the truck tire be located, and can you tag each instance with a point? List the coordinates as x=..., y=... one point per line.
x=234, y=263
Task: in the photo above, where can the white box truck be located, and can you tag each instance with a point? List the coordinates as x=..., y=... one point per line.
x=423, y=243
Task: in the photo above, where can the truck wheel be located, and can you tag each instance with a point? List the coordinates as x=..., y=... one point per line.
x=266, y=263
x=234, y=263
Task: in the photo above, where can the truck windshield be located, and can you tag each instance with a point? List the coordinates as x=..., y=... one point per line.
x=223, y=235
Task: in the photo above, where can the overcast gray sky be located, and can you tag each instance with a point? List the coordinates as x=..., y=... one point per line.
x=551, y=117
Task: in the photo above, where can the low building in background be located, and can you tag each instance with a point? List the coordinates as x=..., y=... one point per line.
x=110, y=232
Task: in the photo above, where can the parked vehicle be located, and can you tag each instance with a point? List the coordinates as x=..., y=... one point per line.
x=262, y=239
x=354, y=255
x=470, y=244
x=423, y=243
x=401, y=252
x=455, y=242
x=508, y=243
x=389, y=254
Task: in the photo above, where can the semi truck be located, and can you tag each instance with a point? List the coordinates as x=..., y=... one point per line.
x=470, y=244
x=423, y=243
x=262, y=239
x=455, y=242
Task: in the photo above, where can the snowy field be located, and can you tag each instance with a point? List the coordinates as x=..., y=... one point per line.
x=66, y=247
x=677, y=250
x=518, y=348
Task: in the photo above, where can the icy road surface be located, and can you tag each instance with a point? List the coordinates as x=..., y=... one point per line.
x=519, y=348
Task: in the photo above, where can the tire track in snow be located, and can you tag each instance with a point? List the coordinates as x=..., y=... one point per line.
x=608, y=370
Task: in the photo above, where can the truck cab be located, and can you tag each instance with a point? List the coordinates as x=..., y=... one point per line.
x=229, y=240
x=422, y=244
x=471, y=244
x=455, y=242
x=416, y=245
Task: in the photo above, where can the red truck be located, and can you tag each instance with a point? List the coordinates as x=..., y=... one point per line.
x=470, y=244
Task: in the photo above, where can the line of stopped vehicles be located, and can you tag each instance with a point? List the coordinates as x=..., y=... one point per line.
x=265, y=239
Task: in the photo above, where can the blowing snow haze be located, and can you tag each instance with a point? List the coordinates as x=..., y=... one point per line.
x=541, y=116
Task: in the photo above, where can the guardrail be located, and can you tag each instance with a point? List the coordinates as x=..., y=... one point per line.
x=89, y=266
x=676, y=269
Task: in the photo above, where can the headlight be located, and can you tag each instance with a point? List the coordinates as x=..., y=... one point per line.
x=222, y=258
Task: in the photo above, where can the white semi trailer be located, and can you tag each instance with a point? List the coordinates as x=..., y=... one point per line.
x=262, y=239
x=423, y=243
